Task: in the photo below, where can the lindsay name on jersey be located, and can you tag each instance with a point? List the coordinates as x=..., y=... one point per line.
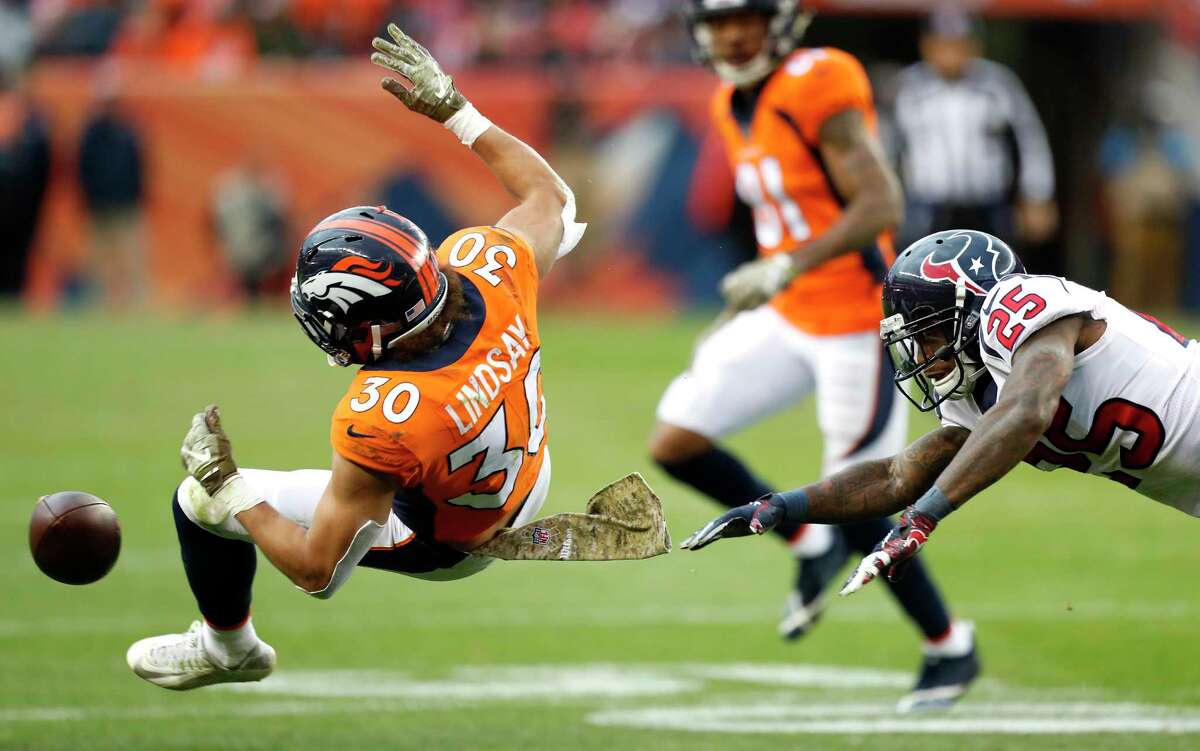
x=487, y=380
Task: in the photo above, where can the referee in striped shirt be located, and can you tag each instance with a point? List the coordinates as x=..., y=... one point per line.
x=973, y=150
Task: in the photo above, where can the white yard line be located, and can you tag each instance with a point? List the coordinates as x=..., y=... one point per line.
x=974, y=718
x=632, y=695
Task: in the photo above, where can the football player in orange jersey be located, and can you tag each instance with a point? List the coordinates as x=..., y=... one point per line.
x=799, y=130
x=440, y=441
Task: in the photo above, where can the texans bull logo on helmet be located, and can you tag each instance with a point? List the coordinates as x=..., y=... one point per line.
x=962, y=256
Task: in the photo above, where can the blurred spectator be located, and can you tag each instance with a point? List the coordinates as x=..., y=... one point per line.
x=249, y=217
x=77, y=27
x=214, y=38
x=969, y=140
x=16, y=35
x=111, y=172
x=220, y=35
x=24, y=170
x=1147, y=165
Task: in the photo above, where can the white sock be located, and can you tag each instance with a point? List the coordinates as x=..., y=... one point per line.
x=229, y=647
x=813, y=540
x=957, y=643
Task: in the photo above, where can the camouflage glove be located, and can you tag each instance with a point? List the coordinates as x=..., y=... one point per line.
x=432, y=92
x=756, y=282
x=208, y=458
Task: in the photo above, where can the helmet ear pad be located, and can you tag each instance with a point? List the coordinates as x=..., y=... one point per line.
x=365, y=278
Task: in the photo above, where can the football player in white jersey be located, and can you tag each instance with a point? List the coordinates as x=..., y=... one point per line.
x=1018, y=367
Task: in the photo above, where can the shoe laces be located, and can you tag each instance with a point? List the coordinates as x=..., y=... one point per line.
x=186, y=652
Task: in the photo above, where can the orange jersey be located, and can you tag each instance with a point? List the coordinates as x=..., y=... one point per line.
x=464, y=425
x=779, y=172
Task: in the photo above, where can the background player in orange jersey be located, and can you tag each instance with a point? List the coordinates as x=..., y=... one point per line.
x=799, y=130
x=440, y=441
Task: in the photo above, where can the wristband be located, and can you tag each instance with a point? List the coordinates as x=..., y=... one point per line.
x=794, y=504
x=934, y=503
x=467, y=124
x=237, y=496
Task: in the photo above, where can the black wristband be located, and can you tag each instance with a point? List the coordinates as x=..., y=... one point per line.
x=934, y=503
x=794, y=504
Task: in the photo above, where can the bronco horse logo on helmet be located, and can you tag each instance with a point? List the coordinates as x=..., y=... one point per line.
x=350, y=281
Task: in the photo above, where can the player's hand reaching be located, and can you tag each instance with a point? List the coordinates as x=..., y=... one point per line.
x=751, y=519
x=208, y=457
x=430, y=91
x=894, y=552
x=756, y=282
x=206, y=452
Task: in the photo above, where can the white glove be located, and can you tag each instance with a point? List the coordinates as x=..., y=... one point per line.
x=432, y=93
x=208, y=457
x=753, y=283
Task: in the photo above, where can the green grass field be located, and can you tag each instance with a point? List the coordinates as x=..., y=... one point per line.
x=1083, y=593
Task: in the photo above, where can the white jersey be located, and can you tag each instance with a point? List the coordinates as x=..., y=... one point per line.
x=1130, y=412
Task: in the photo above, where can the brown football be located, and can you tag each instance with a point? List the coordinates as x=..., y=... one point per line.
x=74, y=537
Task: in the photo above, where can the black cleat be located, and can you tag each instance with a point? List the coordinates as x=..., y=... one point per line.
x=942, y=682
x=806, y=603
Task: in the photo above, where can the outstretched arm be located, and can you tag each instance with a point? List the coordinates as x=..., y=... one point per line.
x=318, y=560
x=867, y=490
x=1041, y=368
x=352, y=510
x=545, y=214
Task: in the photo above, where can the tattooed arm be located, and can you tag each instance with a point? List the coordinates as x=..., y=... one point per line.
x=870, y=490
x=1041, y=368
x=867, y=490
x=947, y=467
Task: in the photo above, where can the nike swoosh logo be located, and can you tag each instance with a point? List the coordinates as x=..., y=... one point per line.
x=354, y=434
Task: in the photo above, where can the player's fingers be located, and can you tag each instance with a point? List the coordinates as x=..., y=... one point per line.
x=859, y=579
x=706, y=535
x=398, y=90
x=898, y=569
x=397, y=55
x=212, y=418
x=699, y=538
x=396, y=33
x=867, y=570
x=389, y=63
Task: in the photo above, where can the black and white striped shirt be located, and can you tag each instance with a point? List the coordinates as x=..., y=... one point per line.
x=957, y=137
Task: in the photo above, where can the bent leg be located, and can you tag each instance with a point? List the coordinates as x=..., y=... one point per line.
x=219, y=571
x=864, y=418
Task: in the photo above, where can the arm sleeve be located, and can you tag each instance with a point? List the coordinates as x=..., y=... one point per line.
x=1036, y=179
x=824, y=83
x=1020, y=305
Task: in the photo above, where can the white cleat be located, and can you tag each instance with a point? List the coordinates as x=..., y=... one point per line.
x=180, y=662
